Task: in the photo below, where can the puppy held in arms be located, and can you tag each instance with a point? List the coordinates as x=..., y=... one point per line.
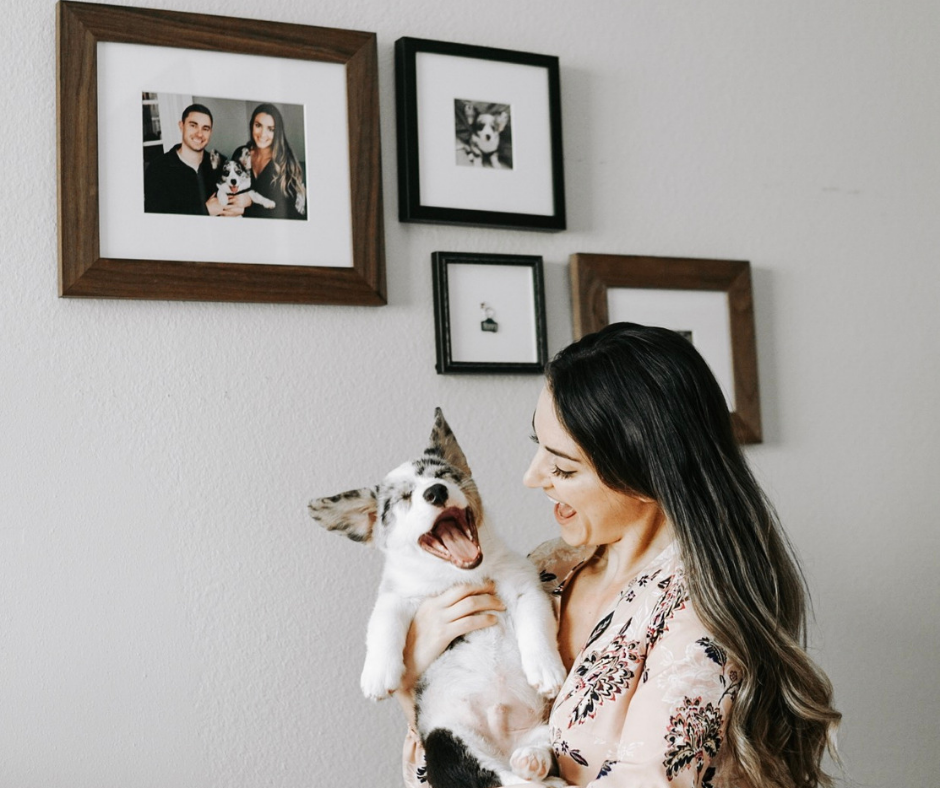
x=481, y=707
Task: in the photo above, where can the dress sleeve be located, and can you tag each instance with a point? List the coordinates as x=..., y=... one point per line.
x=412, y=761
x=675, y=727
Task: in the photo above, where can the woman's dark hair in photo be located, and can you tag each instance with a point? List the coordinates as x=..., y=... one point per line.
x=647, y=411
x=288, y=174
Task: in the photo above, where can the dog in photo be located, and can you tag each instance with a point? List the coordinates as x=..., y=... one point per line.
x=234, y=179
x=481, y=707
x=482, y=149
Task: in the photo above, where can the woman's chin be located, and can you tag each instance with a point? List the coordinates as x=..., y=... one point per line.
x=572, y=535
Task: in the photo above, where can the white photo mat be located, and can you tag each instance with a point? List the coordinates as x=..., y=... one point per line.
x=509, y=291
x=527, y=188
x=125, y=71
x=703, y=312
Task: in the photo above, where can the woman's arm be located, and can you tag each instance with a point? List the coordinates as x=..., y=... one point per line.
x=439, y=621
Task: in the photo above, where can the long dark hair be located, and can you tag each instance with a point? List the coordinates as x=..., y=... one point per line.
x=647, y=411
x=288, y=174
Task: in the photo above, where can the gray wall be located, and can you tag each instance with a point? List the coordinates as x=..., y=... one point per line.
x=168, y=614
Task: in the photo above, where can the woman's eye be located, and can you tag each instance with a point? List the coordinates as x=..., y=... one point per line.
x=556, y=471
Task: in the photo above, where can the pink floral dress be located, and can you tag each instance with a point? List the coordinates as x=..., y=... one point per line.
x=647, y=699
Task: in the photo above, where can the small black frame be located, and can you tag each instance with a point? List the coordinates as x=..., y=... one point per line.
x=518, y=343
x=536, y=197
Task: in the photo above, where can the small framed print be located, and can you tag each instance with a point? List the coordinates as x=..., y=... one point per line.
x=479, y=136
x=230, y=131
x=489, y=313
x=710, y=302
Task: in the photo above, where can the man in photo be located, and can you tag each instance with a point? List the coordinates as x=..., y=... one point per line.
x=182, y=179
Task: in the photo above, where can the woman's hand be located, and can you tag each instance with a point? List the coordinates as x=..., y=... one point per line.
x=439, y=621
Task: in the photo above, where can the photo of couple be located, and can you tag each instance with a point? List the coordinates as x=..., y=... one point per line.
x=186, y=172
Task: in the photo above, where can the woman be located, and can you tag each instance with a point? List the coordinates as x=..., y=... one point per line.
x=275, y=171
x=682, y=609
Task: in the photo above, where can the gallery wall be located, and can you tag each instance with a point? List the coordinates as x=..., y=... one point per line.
x=169, y=615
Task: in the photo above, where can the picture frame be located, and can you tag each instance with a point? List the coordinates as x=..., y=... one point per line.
x=479, y=136
x=109, y=57
x=711, y=300
x=489, y=313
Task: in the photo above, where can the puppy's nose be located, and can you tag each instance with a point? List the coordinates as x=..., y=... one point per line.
x=436, y=495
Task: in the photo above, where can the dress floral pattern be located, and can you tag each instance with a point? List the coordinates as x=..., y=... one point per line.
x=647, y=699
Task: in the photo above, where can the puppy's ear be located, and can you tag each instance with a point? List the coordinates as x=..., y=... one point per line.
x=216, y=159
x=470, y=112
x=501, y=120
x=443, y=444
x=351, y=513
x=243, y=156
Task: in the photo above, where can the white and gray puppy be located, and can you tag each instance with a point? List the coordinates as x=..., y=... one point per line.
x=482, y=705
x=235, y=179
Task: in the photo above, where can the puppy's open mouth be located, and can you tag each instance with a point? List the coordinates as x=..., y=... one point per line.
x=453, y=537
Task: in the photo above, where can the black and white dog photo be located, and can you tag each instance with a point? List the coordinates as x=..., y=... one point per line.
x=482, y=705
x=484, y=134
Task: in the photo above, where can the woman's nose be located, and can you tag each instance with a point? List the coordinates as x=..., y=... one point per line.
x=532, y=477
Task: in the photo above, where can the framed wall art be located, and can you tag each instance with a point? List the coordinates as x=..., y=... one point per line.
x=710, y=302
x=163, y=119
x=479, y=136
x=489, y=313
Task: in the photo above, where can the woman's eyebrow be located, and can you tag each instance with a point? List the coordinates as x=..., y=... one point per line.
x=549, y=449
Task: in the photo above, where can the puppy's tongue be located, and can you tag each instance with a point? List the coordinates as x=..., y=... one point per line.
x=462, y=550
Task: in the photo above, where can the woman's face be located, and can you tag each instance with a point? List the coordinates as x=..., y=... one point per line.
x=262, y=130
x=588, y=511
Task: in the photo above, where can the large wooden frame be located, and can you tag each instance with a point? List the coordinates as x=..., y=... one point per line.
x=82, y=269
x=593, y=275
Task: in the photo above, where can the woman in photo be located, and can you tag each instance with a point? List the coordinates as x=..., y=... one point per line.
x=275, y=172
x=682, y=610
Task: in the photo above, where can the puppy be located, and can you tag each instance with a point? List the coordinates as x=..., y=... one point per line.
x=236, y=179
x=485, y=129
x=243, y=157
x=481, y=706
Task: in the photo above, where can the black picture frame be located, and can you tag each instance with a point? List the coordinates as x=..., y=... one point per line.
x=432, y=188
x=518, y=343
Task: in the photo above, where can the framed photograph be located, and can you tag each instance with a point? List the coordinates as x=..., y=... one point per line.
x=194, y=162
x=479, y=136
x=710, y=302
x=489, y=313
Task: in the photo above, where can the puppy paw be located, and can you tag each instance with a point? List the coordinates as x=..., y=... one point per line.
x=380, y=679
x=546, y=674
x=531, y=763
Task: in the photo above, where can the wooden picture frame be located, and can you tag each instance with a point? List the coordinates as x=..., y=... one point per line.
x=717, y=294
x=347, y=62
x=489, y=312
x=446, y=93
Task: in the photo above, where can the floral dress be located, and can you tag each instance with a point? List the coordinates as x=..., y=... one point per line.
x=648, y=697
x=646, y=701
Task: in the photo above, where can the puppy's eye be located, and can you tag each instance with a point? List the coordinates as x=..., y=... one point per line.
x=406, y=495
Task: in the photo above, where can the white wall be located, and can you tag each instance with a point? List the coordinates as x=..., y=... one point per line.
x=168, y=614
